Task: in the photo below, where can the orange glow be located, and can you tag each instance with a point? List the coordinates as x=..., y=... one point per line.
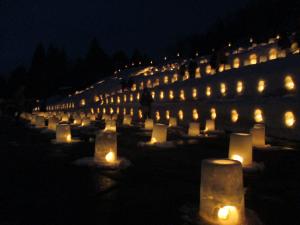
x=234, y=116
x=171, y=94
x=195, y=114
x=289, y=83
x=253, y=59
x=261, y=86
x=213, y=113
x=157, y=115
x=223, y=89
x=236, y=63
x=289, y=119
x=239, y=87
x=208, y=91
x=258, y=116
x=182, y=95
x=167, y=114
x=194, y=93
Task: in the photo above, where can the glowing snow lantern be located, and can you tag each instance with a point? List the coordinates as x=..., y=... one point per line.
x=289, y=119
x=110, y=126
x=209, y=125
x=234, y=116
x=258, y=133
x=197, y=73
x=180, y=114
x=171, y=94
x=194, y=129
x=106, y=148
x=157, y=116
x=208, y=69
x=182, y=95
x=289, y=83
x=236, y=63
x=166, y=79
x=167, y=114
x=140, y=114
x=40, y=122
x=239, y=87
x=261, y=86
x=258, y=116
x=85, y=122
x=253, y=59
x=186, y=75
x=173, y=122
x=127, y=120
x=131, y=112
x=213, y=113
x=153, y=94
x=175, y=78
x=149, y=124
x=223, y=89
x=52, y=123
x=161, y=95
x=195, y=114
x=240, y=148
x=208, y=91
x=159, y=133
x=273, y=54
x=77, y=120
x=194, y=93
x=63, y=133
x=222, y=192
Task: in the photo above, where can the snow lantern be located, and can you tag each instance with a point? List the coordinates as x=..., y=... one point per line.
x=240, y=148
x=222, y=192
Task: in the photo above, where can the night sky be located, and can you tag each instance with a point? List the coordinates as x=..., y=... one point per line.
x=117, y=24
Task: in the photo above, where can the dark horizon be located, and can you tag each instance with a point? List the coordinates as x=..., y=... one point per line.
x=118, y=25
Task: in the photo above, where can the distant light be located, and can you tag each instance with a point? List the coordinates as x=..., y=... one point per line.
x=289, y=119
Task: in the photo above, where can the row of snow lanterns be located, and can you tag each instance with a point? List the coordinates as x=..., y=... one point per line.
x=221, y=193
